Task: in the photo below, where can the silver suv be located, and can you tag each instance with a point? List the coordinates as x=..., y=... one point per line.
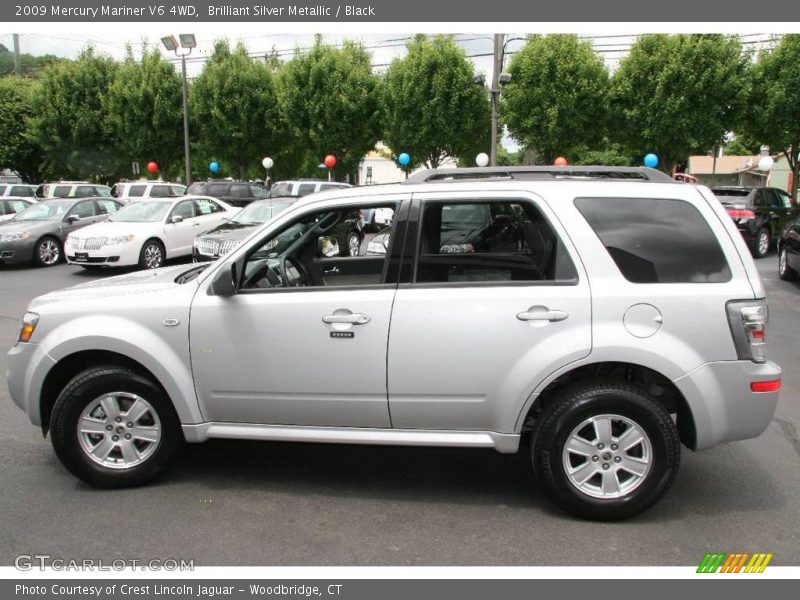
x=602, y=316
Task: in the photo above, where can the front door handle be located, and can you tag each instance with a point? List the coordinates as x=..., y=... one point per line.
x=351, y=318
x=542, y=313
x=331, y=271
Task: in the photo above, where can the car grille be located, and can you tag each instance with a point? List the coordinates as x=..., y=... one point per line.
x=92, y=243
x=208, y=247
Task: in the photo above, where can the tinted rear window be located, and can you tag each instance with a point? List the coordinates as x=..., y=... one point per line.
x=656, y=240
x=724, y=192
x=62, y=191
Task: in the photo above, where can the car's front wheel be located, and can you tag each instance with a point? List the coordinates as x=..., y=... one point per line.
x=152, y=255
x=113, y=427
x=605, y=450
x=47, y=252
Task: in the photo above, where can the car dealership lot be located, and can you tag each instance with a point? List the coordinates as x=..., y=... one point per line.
x=268, y=503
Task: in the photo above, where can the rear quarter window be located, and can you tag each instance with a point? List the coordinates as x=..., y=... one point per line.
x=655, y=240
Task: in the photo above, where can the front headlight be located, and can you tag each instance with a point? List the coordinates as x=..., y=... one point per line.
x=15, y=237
x=120, y=239
x=29, y=322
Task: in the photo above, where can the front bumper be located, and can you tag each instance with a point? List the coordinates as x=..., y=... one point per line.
x=28, y=365
x=117, y=255
x=723, y=407
x=14, y=253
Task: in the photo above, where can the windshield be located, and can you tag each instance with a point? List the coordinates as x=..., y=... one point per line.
x=256, y=214
x=142, y=212
x=50, y=210
x=281, y=190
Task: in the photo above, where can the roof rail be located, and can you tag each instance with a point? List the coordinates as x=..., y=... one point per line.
x=539, y=173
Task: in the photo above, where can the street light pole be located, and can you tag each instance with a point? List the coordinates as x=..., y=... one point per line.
x=186, y=156
x=187, y=42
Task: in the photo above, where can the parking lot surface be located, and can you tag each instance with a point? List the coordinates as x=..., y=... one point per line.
x=248, y=503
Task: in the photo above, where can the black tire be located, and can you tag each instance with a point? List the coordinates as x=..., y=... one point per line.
x=156, y=247
x=759, y=249
x=785, y=272
x=48, y=252
x=584, y=400
x=82, y=391
x=350, y=237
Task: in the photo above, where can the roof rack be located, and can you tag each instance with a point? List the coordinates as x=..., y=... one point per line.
x=539, y=173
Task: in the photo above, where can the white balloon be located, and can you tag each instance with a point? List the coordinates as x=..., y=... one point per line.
x=267, y=162
x=765, y=163
x=482, y=159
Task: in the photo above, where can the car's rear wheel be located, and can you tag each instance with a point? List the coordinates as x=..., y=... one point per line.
x=605, y=450
x=152, y=255
x=761, y=243
x=785, y=272
x=47, y=252
x=113, y=427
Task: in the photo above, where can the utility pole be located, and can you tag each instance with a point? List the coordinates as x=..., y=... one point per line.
x=499, y=41
x=16, y=54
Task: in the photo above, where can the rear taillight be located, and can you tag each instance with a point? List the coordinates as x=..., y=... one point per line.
x=748, y=323
x=742, y=215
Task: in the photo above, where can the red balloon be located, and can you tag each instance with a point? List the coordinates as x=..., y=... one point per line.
x=561, y=162
x=330, y=161
x=152, y=167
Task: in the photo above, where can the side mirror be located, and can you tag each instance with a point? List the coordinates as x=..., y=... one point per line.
x=225, y=281
x=176, y=219
x=328, y=246
x=73, y=219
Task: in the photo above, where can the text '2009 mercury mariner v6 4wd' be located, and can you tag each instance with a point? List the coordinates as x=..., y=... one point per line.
x=608, y=312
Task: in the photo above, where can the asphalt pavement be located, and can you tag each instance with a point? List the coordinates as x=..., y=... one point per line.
x=249, y=503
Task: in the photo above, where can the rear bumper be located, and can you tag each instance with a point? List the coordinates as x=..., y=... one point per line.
x=723, y=406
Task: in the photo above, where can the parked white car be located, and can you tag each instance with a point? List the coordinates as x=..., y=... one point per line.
x=147, y=232
x=18, y=190
x=133, y=191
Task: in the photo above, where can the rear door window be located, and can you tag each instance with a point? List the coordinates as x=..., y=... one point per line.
x=655, y=240
x=159, y=191
x=306, y=188
x=62, y=191
x=480, y=242
x=136, y=191
x=21, y=190
x=85, y=191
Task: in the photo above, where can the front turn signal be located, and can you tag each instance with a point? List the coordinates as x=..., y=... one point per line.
x=29, y=322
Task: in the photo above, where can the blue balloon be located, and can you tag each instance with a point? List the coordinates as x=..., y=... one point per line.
x=404, y=158
x=213, y=167
x=651, y=160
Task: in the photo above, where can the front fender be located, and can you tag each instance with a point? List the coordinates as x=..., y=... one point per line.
x=166, y=355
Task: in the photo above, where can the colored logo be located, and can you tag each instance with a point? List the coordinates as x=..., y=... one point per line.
x=736, y=562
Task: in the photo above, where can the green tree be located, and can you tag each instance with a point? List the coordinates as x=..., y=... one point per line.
x=432, y=107
x=29, y=65
x=776, y=94
x=330, y=97
x=675, y=95
x=556, y=100
x=71, y=122
x=19, y=149
x=145, y=114
x=742, y=144
x=234, y=111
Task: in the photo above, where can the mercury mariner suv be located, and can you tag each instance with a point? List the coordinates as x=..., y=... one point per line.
x=603, y=315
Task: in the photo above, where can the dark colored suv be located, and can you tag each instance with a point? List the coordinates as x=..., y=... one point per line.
x=759, y=213
x=235, y=193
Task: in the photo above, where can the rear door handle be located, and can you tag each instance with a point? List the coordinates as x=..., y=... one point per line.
x=352, y=318
x=542, y=313
x=331, y=271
